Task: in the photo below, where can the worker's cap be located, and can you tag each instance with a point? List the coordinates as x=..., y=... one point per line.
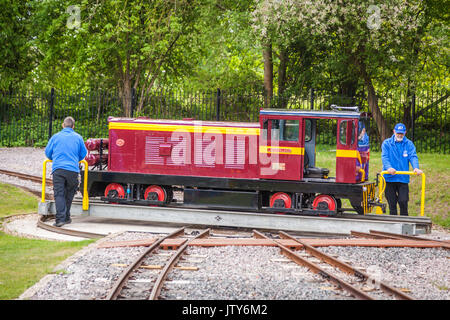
x=400, y=128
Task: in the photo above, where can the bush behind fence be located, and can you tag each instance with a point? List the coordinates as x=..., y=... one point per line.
x=29, y=118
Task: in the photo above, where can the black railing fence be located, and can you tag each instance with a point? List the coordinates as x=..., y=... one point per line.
x=30, y=118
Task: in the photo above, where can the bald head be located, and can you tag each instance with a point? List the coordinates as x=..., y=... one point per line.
x=69, y=122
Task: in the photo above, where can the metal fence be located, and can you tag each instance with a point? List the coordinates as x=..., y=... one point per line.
x=30, y=118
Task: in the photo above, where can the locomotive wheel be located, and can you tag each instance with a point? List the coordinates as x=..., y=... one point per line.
x=280, y=200
x=115, y=190
x=155, y=193
x=324, y=202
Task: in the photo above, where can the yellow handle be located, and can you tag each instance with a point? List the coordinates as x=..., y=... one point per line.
x=363, y=174
x=411, y=173
x=85, y=194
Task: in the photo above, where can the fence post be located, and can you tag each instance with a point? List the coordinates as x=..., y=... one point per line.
x=218, y=105
x=311, y=101
x=50, y=122
x=413, y=115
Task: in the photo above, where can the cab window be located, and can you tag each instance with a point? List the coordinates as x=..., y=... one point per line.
x=289, y=130
x=308, y=133
x=275, y=130
x=264, y=129
x=281, y=130
x=346, y=133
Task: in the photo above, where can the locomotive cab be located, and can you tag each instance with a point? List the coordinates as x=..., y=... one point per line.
x=289, y=138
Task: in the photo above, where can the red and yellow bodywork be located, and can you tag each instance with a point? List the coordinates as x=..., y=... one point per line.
x=230, y=149
x=184, y=148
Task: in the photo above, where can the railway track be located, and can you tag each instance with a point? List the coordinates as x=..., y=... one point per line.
x=357, y=286
x=125, y=289
x=137, y=282
x=28, y=177
x=75, y=233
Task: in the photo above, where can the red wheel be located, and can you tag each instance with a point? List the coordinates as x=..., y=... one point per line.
x=280, y=200
x=155, y=193
x=115, y=190
x=324, y=202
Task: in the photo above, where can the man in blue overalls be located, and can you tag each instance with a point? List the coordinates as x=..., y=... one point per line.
x=397, y=152
x=65, y=149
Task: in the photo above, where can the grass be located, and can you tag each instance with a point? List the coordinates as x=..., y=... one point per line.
x=23, y=261
x=16, y=201
x=437, y=171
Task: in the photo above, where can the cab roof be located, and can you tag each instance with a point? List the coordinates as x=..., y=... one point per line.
x=311, y=113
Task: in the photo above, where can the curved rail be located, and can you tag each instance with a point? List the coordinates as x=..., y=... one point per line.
x=116, y=289
x=81, y=234
x=346, y=268
x=171, y=263
x=317, y=269
x=25, y=176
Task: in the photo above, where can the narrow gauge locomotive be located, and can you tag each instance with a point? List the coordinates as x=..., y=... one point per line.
x=266, y=167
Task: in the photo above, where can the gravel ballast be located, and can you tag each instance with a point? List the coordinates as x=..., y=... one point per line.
x=247, y=273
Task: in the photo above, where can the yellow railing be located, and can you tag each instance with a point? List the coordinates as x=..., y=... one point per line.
x=363, y=174
x=411, y=173
x=85, y=193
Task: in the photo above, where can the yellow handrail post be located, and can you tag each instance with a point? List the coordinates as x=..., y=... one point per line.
x=85, y=192
x=363, y=174
x=44, y=174
x=411, y=173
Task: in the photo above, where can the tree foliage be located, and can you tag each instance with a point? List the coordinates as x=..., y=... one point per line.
x=354, y=42
x=16, y=57
x=289, y=46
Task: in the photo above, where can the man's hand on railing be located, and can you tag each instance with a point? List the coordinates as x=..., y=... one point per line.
x=391, y=170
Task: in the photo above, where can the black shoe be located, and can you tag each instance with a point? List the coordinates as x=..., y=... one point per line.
x=68, y=221
x=58, y=224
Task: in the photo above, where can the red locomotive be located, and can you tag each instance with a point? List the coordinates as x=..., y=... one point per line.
x=266, y=166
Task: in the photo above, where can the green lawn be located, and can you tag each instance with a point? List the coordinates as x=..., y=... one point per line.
x=23, y=261
x=15, y=201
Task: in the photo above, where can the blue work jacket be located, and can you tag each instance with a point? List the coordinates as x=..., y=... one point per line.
x=66, y=148
x=398, y=155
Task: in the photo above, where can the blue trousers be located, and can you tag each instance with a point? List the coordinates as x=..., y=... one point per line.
x=65, y=184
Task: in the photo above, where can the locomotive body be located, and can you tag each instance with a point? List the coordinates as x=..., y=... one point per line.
x=187, y=148
x=265, y=166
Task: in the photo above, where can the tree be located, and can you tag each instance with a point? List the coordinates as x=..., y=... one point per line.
x=16, y=56
x=368, y=40
x=128, y=44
